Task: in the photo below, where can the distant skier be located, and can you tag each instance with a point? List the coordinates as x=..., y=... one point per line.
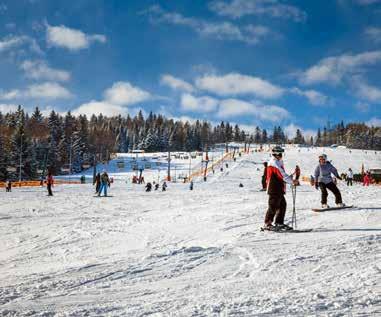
x=191, y=185
x=367, y=179
x=49, y=183
x=148, y=187
x=157, y=186
x=97, y=182
x=8, y=187
x=105, y=182
x=164, y=187
x=350, y=177
x=276, y=188
x=324, y=181
x=264, y=176
x=297, y=174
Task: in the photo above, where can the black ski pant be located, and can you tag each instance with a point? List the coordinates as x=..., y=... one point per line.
x=324, y=193
x=50, y=190
x=263, y=182
x=277, y=209
x=349, y=181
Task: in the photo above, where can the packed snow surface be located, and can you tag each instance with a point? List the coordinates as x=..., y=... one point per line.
x=192, y=253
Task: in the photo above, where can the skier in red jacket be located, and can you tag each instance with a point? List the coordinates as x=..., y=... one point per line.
x=276, y=189
x=49, y=183
x=367, y=179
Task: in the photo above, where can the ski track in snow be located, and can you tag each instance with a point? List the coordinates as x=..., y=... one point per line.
x=192, y=253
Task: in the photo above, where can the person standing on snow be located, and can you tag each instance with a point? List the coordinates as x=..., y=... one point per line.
x=264, y=176
x=105, y=182
x=276, y=180
x=324, y=181
x=49, y=183
x=164, y=187
x=97, y=182
x=148, y=187
x=367, y=179
x=350, y=177
x=297, y=174
x=8, y=187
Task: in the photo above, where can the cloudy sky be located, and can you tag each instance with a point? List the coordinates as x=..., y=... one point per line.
x=293, y=63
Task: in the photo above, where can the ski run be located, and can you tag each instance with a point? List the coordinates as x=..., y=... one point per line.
x=193, y=253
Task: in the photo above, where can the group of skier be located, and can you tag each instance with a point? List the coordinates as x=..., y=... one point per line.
x=275, y=179
x=156, y=186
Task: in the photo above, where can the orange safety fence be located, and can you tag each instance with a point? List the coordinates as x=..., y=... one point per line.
x=210, y=168
x=37, y=183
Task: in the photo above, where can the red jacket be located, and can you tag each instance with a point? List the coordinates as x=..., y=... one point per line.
x=50, y=180
x=277, y=177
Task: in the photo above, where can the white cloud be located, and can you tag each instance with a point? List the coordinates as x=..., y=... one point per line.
x=198, y=104
x=234, y=107
x=291, y=129
x=365, y=91
x=100, y=107
x=74, y=40
x=10, y=95
x=273, y=8
x=176, y=83
x=374, y=34
x=237, y=84
x=251, y=34
x=40, y=70
x=5, y=108
x=12, y=42
x=123, y=93
x=313, y=96
x=374, y=122
x=362, y=106
x=333, y=69
x=48, y=90
x=117, y=98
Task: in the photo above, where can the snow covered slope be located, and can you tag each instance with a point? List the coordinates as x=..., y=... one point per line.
x=191, y=253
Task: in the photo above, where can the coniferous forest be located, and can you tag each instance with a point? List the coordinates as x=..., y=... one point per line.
x=53, y=142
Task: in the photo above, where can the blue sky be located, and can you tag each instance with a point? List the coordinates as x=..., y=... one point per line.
x=251, y=62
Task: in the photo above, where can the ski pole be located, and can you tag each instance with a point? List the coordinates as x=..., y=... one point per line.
x=293, y=188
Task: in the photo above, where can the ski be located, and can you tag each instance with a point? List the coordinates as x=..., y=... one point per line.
x=331, y=208
x=287, y=231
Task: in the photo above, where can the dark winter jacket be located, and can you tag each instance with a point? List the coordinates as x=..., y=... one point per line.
x=323, y=173
x=277, y=177
x=105, y=179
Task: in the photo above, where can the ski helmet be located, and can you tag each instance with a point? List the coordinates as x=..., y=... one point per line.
x=277, y=150
x=324, y=156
